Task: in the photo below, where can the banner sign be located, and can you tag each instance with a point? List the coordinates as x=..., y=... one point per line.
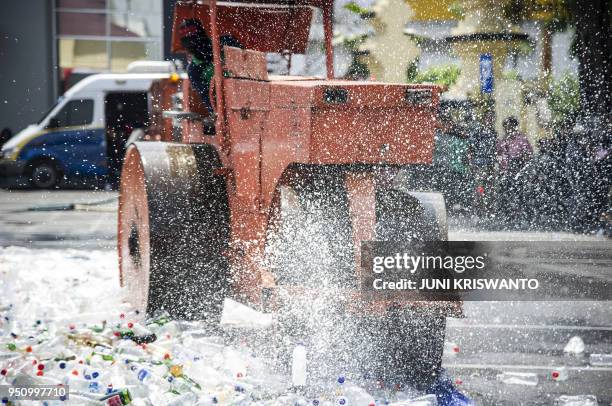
x=486, y=73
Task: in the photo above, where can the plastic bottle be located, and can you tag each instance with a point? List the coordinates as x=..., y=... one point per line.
x=600, y=359
x=341, y=400
x=81, y=385
x=117, y=398
x=185, y=399
x=574, y=346
x=579, y=400
x=451, y=349
x=427, y=400
x=559, y=374
x=147, y=377
x=518, y=378
x=299, y=366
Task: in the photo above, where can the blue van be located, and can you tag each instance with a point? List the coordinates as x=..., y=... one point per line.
x=82, y=135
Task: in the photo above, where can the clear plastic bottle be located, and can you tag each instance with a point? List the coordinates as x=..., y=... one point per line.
x=600, y=359
x=427, y=400
x=341, y=399
x=299, y=366
x=518, y=378
x=559, y=374
x=146, y=376
x=578, y=400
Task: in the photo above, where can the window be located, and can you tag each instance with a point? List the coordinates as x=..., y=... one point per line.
x=106, y=35
x=75, y=113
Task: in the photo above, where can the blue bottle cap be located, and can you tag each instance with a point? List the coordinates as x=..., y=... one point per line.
x=87, y=376
x=95, y=375
x=62, y=365
x=340, y=379
x=143, y=374
x=315, y=402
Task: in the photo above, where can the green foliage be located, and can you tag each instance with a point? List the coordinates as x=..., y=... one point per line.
x=357, y=9
x=412, y=71
x=440, y=75
x=353, y=43
x=555, y=14
x=516, y=11
x=456, y=9
x=564, y=99
x=511, y=75
x=357, y=71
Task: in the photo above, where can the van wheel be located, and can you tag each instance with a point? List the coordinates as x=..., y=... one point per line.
x=43, y=175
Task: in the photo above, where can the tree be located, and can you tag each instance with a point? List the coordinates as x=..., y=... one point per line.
x=592, y=47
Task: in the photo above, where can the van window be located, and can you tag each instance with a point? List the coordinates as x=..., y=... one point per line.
x=59, y=100
x=75, y=113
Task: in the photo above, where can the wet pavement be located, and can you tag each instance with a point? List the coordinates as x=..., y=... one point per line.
x=494, y=337
x=58, y=219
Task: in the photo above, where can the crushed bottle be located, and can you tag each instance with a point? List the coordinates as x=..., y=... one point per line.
x=518, y=378
x=578, y=400
x=600, y=359
x=575, y=346
x=427, y=400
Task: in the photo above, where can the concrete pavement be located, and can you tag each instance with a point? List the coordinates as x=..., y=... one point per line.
x=43, y=219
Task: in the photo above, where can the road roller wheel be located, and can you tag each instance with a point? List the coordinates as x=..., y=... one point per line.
x=173, y=230
x=312, y=231
x=310, y=244
x=407, y=346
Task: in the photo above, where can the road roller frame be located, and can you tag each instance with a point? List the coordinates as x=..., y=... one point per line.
x=271, y=131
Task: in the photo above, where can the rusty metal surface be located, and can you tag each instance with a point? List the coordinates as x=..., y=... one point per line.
x=173, y=227
x=133, y=230
x=263, y=28
x=245, y=64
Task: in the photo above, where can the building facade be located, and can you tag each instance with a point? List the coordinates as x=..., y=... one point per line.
x=48, y=45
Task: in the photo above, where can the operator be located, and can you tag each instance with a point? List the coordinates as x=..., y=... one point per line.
x=199, y=46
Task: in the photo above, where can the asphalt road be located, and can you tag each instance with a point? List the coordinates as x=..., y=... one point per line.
x=494, y=337
x=45, y=219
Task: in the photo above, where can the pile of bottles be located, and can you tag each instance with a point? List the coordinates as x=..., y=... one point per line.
x=118, y=362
